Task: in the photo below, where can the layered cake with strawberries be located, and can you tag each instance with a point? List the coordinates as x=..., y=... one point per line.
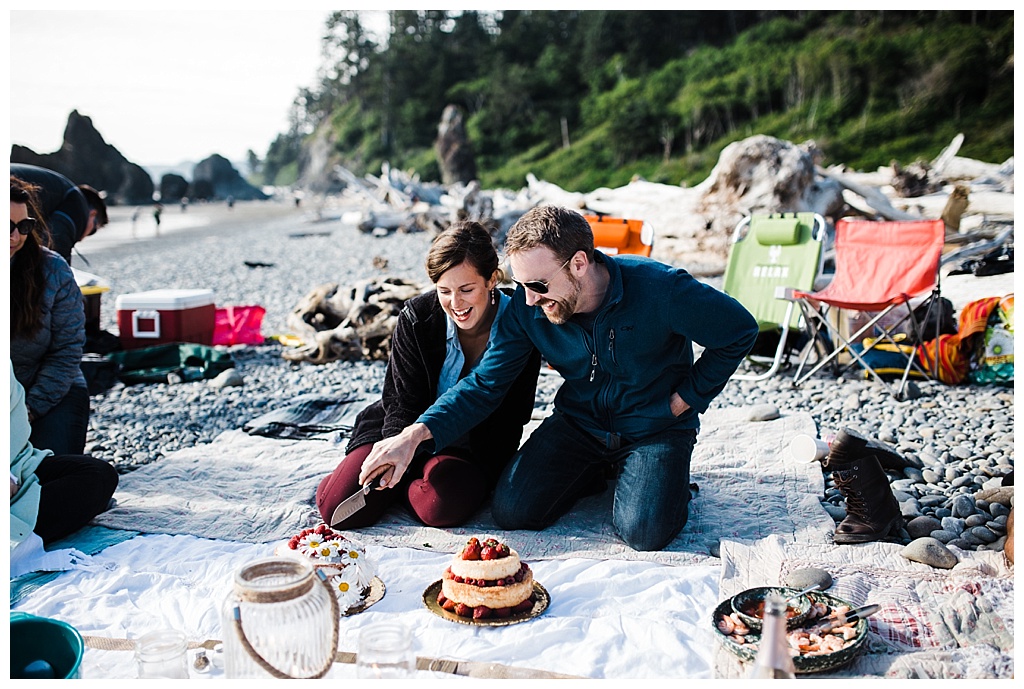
x=486, y=579
x=348, y=569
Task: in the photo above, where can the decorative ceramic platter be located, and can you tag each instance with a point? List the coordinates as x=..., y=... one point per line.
x=804, y=663
x=540, y=604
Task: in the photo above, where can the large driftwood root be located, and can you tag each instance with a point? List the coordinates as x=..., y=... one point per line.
x=349, y=323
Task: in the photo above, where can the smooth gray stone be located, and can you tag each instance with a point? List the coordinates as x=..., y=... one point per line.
x=976, y=520
x=932, y=500
x=972, y=540
x=962, y=506
x=930, y=476
x=910, y=509
x=961, y=481
x=930, y=551
x=962, y=544
x=763, y=412
x=837, y=513
x=983, y=534
x=923, y=526
x=914, y=474
x=228, y=378
x=954, y=524
x=901, y=496
x=943, y=512
x=808, y=577
x=943, y=536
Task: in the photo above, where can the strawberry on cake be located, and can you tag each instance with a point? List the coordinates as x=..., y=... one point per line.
x=486, y=579
x=348, y=570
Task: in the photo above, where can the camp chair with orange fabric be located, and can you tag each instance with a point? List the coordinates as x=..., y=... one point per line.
x=880, y=267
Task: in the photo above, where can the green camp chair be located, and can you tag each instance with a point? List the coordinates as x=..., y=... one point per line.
x=770, y=253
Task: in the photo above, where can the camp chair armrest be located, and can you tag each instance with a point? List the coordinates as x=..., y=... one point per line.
x=787, y=293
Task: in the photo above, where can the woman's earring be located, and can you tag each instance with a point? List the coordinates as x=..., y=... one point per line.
x=493, y=290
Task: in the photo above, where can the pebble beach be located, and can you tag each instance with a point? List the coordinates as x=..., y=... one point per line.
x=957, y=440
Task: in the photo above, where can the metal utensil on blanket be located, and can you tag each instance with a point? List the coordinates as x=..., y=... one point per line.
x=816, y=587
x=357, y=501
x=838, y=619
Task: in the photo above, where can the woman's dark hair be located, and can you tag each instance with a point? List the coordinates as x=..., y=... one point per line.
x=465, y=240
x=27, y=277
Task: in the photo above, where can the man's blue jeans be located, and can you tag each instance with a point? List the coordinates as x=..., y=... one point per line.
x=560, y=463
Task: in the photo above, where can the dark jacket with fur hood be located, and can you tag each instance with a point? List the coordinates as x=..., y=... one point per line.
x=410, y=387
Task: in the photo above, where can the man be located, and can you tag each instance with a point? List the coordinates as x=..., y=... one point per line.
x=71, y=212
x=620, y=331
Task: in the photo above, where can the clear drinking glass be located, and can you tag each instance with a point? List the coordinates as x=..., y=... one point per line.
x=385, y=652
x=162, y=654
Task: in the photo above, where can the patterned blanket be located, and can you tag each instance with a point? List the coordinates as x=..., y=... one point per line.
x=933, y=623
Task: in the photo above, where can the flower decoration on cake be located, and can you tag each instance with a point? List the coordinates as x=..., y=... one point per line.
x=347, y=587
x=350, y=572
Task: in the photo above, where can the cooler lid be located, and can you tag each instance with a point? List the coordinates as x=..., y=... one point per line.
x=168, y=299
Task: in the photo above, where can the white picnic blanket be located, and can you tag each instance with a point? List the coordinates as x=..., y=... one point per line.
x=607, y=618
x=257, y=489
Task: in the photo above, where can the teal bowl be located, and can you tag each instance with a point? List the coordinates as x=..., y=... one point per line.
x=43, y=648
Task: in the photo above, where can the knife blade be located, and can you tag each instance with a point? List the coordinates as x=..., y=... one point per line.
x=356, y=502
x=838, y=619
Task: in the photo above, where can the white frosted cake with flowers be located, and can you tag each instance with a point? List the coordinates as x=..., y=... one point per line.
x=348, y=569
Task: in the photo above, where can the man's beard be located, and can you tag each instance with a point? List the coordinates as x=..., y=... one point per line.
x=565, y=307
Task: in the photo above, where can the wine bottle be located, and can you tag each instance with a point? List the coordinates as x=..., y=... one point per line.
x=773, y=660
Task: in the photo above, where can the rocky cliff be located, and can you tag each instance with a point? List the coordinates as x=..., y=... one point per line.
x=217, y=178
x=85, y=158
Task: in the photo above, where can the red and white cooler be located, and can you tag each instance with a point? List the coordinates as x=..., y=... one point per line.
x=160, y=316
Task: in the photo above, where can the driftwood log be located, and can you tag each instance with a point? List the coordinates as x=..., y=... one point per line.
x=692, y=225
x=349, y=323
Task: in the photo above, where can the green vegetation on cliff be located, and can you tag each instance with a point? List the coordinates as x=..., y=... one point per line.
x=586, y=99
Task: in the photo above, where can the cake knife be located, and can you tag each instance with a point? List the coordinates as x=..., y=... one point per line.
x=356, y=502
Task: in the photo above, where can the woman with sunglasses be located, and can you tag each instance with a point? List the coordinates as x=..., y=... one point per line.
x=439, y=338
x=47, y=330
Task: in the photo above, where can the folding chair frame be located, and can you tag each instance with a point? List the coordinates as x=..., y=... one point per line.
x=775, y=362
x=819, y=325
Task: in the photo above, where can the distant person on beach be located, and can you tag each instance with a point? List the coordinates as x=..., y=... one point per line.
x=439, y=339
x=135, y=220
x=157, y=210
x=52, y=495
x=72, y=212
x=47, y=331
x=620, y=330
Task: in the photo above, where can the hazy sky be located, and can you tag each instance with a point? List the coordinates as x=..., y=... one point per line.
x=162, y=86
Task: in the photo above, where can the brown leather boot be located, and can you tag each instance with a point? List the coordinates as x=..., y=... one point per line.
x=872, y=511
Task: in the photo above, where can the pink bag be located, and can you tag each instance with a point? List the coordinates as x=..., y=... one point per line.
x=238, y=325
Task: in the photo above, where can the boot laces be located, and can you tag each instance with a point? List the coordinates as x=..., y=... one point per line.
x=854, y=499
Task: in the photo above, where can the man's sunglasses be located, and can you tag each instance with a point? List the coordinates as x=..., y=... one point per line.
x=541, y=286
x=24, y=227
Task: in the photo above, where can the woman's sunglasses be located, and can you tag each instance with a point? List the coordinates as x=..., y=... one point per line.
x=541, y=286
x=24, y=227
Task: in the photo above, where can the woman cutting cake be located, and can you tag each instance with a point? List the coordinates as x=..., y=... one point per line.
x=439, y=338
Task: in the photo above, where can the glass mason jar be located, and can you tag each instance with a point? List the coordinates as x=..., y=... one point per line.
x=162, y=654
x=280, y=620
